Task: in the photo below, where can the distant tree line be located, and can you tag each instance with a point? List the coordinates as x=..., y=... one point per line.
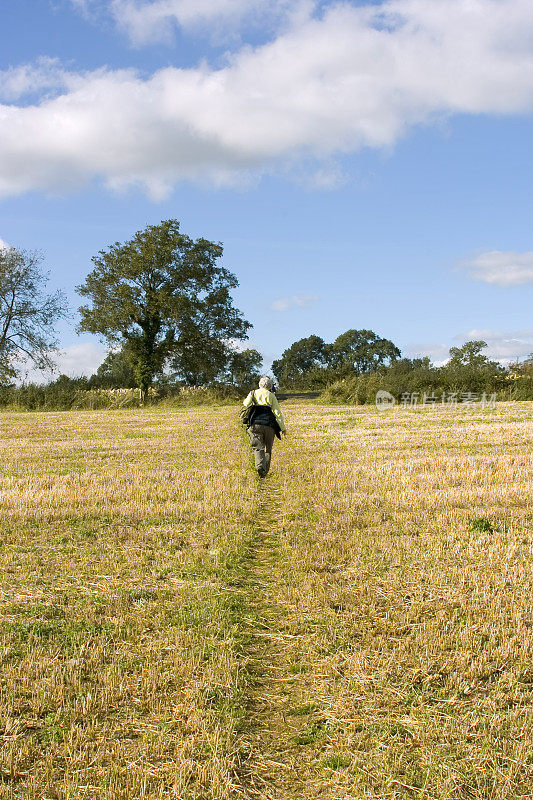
x=162, y=303
x=359, y=362
x=467, y=372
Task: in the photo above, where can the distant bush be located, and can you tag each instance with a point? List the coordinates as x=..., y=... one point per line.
x=58, y=394
x=359, y=390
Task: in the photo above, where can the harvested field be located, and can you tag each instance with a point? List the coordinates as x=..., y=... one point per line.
x=357, y=625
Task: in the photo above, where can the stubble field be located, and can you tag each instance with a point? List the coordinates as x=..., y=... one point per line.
x=357, y=625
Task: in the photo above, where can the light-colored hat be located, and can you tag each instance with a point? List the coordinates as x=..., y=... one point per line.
x=265, y=383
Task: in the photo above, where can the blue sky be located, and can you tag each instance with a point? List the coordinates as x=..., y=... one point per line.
x=366, y=165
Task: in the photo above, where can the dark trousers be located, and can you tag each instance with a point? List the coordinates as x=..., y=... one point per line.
x=261, y=439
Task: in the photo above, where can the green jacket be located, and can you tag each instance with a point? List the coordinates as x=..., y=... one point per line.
x=265, y=398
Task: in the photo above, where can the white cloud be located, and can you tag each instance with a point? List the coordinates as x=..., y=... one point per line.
x=327, y=176
x=352, y=77
x=503, y=346
x=280, y=305
x=146, y=22
x=45, y=74
x=298, y=300
x=502, y=268
x=75, y=361
x=149, y=21
x=81, y=5
x=3, y=245
x=80, y=359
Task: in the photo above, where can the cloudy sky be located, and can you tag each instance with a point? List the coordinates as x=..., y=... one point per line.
x=365, y=164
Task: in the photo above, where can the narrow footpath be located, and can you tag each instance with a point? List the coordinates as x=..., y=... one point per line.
x=266, y=770
x=271, y=765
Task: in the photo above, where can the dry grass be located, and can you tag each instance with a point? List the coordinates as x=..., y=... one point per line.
x=118, y=533
x=358, y=625
x=412, y=626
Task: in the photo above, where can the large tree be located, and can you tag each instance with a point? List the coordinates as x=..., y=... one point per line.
x=27, y=312
x=470, y=369
x=470, y=355
x=359, y=351
x=297, y=361
x=163, y=298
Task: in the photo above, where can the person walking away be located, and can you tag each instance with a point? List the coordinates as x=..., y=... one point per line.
x=265, y=421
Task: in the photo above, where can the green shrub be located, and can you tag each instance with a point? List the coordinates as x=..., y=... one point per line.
x=425, y=379
x=481, y=525
x=337, y=762
x=75, y=394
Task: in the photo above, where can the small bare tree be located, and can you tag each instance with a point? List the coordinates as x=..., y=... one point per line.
x=27, y=313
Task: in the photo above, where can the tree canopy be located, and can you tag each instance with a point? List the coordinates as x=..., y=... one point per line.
x=163, y=298
x=360, y=351
x=115, y=372
x=469, y=355
x=299, y=359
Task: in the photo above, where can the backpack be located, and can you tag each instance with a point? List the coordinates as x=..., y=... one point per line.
x=246, y=413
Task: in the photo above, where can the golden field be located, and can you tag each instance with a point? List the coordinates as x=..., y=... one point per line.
x=357, y=625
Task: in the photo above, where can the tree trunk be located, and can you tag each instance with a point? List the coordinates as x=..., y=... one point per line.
x=143, y=391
